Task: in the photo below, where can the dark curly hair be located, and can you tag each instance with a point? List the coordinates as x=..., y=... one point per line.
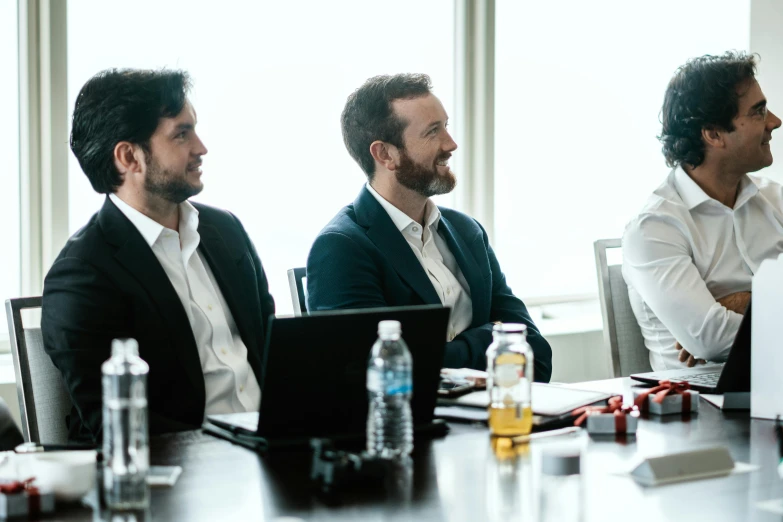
x=121, y=105
x=368, y=114
x=702, y=95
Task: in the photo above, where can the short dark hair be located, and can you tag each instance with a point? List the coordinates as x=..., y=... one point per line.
x=122, y=105
x=368, y=115
x=702, y=95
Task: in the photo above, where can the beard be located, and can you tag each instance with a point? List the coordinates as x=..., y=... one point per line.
x=423, y=180
x=168, y=184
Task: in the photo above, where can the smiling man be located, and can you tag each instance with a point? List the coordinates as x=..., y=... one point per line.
x=181, y=278
x=690, y=255
x=393, y=246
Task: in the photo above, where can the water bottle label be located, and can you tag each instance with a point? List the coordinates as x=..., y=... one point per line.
x=389, y=383
x=374, y=381
x=508, y=375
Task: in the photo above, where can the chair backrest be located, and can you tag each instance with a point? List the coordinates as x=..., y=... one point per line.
x=297, y=279
x=622, y=334
x=44, y=401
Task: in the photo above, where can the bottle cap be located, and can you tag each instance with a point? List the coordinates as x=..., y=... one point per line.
x=124, y=347
x=510, y=328
x=386, y=328
x=559, y=463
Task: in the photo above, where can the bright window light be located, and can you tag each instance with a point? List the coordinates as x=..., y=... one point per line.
x=579, y=88
x=270, y=81
x=9, y=151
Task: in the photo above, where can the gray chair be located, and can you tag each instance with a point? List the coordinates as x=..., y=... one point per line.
x=44, y=401
x=296, y=282
x=622, y=334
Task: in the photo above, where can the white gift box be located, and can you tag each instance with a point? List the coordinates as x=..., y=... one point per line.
x=16, y=505
x=606, y=424
x=671, y=403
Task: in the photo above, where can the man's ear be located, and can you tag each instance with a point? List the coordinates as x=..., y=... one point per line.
x=385, y=154
x=128, y=159
x=713, y=137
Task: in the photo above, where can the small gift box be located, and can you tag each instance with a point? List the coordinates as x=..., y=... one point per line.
x=667, y=398
x=612, y=419
x=22, y=499
x=612, y=423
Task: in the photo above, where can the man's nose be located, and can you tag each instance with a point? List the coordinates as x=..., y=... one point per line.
x=774, y=120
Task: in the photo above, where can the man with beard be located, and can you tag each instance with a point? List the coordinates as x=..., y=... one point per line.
x=181, y=278
x=394, y=247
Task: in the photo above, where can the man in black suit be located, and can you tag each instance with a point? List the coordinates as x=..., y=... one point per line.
x=181, y=278
x=394, y=247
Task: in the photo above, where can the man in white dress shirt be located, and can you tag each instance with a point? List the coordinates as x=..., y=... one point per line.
x=181, y=278
x=690, y=255
x=394, y=247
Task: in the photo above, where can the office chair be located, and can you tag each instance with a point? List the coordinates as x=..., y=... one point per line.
x=622, y=334
x=297, y=279
x=44, y=401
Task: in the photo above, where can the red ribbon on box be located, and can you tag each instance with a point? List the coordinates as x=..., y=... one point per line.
x=661, y=391
x=615, y=406
x=24, y=486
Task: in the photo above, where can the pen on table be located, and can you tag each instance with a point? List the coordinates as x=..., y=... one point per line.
x=33, y=447
x=779, y=436
x=524, y=439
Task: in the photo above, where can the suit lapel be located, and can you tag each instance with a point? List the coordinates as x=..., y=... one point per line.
x=137, y=257
x=381, y=231
x=470, y=269
x=224, y=264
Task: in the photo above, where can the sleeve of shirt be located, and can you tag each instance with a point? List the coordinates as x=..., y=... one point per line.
x=657, y=263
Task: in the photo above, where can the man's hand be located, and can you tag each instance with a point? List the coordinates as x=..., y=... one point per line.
x=736, y=302
x=687, y=358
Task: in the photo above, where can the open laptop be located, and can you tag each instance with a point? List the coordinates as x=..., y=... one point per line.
x=314, y=375
x=733, y=376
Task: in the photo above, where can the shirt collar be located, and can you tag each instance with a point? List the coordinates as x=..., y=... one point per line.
x=150, y=229
x=401, y=219
x=692, y=194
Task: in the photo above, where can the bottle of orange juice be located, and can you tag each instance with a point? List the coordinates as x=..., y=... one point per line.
x=509, y=380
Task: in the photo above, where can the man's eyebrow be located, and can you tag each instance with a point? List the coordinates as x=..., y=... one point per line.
x=758, y=105
x=183, y=127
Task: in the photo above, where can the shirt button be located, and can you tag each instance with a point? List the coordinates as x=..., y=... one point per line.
x=223, y=351
x=448, y=291
x=209, y=307
x=415, y=229
x=241, y=388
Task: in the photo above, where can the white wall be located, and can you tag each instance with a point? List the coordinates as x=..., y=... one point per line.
x=766, y=39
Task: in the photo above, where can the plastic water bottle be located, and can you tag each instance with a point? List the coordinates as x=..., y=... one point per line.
x=389, y=388
x=125, y=430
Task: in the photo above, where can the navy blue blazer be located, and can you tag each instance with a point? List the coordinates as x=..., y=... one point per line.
x=361, y=260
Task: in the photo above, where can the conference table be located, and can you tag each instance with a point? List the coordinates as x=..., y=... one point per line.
x=461, y=477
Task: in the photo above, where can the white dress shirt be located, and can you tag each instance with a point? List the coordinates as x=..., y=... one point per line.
x=230, y=383
x=686, y=250
x=436, y=259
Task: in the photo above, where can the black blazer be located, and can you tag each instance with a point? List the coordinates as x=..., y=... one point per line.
x=107, y=283
x=361, y=260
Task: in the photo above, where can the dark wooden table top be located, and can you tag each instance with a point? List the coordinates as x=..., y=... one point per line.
x=460, y=477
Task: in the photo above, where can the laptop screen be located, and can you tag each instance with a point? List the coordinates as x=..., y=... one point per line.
x=314, y=377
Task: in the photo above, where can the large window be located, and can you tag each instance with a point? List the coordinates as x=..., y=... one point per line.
x=9, y=152
x=579, y=87
x=270, y=81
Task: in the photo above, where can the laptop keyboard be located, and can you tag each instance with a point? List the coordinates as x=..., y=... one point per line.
x=702, y=379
